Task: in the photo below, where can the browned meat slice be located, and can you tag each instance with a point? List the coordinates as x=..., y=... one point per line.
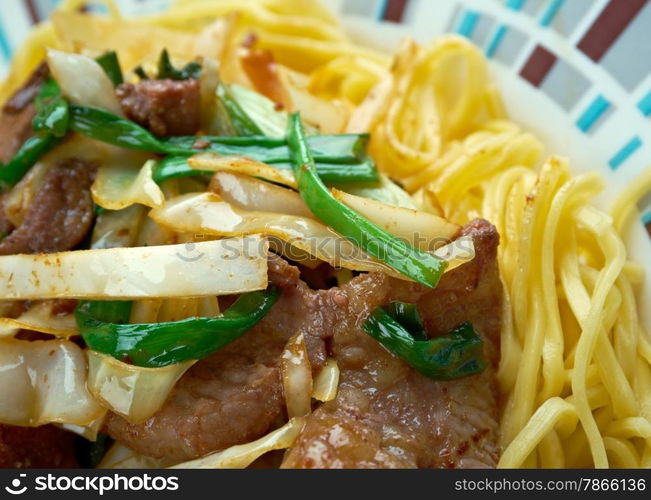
x=17, y=114
x=61, y=213
x=36, y=447
x=388, y=415
x=166, y=107
x=235, y=395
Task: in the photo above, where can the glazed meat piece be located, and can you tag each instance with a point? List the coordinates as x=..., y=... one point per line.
x=61, y=213
x=387, y=415
x=235, y=395
x=36, y=447
x=166, y=107
x=17, y=114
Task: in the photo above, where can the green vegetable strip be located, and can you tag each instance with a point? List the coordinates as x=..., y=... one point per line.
x=28, y=154
x=52, y=114
x=409, y=317
x=457, y=354
x=240, y=120
x=166, y=69
x=162, y=344
x=422, y=267
x=111, y=66
x=172, y=167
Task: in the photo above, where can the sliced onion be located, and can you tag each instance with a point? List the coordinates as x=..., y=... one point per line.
x=134, y=392
x=243, y=455
x=253, y=194
x=425, y=231
x=193, y=270
x=297, y=377
x=44, y=381
x=241, y=164
x=83, y=81
x=40, y=318
x=118, y=186
x=326, y=382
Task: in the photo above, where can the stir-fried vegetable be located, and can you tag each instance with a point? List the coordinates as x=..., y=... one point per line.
x=242, y=455
x=44, y=382
x=111, y=66
x=52, y=114
x=134, y=392
x=242, y=124
x=166, y=69
x=221, y=267
x=326, y=382
x=420, y=266
x=297, y=377
x=40, y=317
x=457, y=354
x=28, y=154
x=161, y=344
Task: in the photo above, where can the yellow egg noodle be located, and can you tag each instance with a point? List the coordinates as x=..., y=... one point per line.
x=575, y=368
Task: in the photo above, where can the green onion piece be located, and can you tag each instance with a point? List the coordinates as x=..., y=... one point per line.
x=408, y=316
x=28, y=154
x=111, y=65
x=167, y=71
x=140, y=73
x=242, y=123
x=456, y=354
x=160, y=344
x=422, y=267
x=52, y=114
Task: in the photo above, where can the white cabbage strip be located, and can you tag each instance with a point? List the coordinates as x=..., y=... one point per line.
x=40, y=318
x=83, y=81
x=120, y=186
x=134, y=392
x=43, y=382
x=191, y=270
x=207, y=213
x=243, y=455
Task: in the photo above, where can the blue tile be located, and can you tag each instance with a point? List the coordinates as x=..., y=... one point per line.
x=627, y=150
x=645, y=104
x=468, y=23
x=596, y=109
x=550, y=12
x=495, y=40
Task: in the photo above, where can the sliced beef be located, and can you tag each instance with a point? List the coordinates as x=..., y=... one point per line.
x=17, y=114
x=166, y=107
x=388, y=415
x=235, y=395
x=36, y=447
x=61, y=213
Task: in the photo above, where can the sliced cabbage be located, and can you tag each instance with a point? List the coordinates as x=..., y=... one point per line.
x=134, y=392
x=43, y=382
x=83, y=81
x=40, y=318
x=17, y=201
x=207, y=213
x=423, y=230
x=117, y=228
x=297, y=377
x=386, y=192
x=192, y=270
x=119, y=186
x=326, y=382
x=243, y=455
x=241, y=164
x=253, y=194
